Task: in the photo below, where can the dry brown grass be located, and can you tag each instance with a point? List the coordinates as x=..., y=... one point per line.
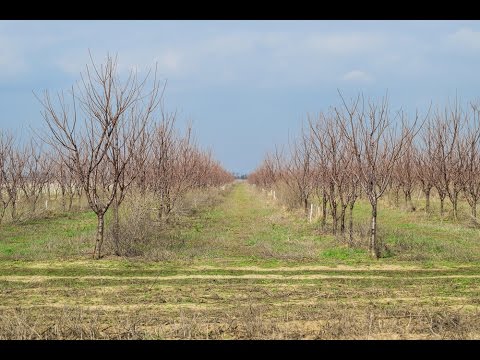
x=248, y=321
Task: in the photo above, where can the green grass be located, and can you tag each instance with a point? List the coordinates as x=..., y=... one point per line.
x=31, y=238
x=244, y=227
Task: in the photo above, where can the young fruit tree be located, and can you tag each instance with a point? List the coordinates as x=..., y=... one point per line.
x=6, y=141
x=97, y=128
x=377, y=144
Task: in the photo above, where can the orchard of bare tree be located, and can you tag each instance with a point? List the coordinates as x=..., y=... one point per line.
x=116, y=223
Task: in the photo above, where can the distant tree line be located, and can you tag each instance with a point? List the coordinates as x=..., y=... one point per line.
x=239, y=176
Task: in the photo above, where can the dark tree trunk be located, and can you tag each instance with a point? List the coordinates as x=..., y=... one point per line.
x=99, y=238
x=350, y=227
x=324, y=210
x=13, y=210
x=455, y=207
x=64, y=204
x=70, y=202
x=342, y=219
x=410, y=202
x=333, y=209
x=427, y=200
x=442, y=200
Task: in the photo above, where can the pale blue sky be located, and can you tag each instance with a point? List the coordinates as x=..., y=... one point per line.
x=246, y=84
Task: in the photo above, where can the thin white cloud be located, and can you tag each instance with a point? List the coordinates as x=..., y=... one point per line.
x=345, y=43
x=357, y=76
x=12, y=61
x=171, y=60
x=465, y=38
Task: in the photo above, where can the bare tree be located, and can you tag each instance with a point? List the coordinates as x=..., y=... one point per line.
x=296, y=169
x=334, y=165
x=329, y=151
x=97, y=129
x=6, y=141
x=64, y=179
x=160, y=164
x=404, y=171
x=425, y=167
x=448, y=162
x=36, y=173
x=471, y=153
x=265, y=175
x=377, y=146
x=13, y=163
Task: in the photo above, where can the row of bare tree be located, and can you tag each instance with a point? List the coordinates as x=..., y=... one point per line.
x=445, y=156
x=25, y=172
x=362, y=148
x=106, y=138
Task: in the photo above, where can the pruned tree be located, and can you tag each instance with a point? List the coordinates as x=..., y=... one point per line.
x=447, y=159
x=97, y=128
x=425, y=167
x=36, y=173
x=404, y=171
x=377, y=144
x=471, y=154
x=6, y=141
x=265, y=175
x=334, y=163
x=296, y=168
x=13, y=164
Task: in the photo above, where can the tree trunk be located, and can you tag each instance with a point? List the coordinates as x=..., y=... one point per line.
x=79, y=193
x=13, y=210
x=324, y=210
x=99, y=239
x=474, y=210
x=455, y=207
x=397, y=197
x=373, y=246
x=442, y=199
x=160, y=206
x=34, y=205
x=410, y=202
x=64, y=205
x=70, y=202
x=427, y=200
x=305, y=206
x=342, y=219
x=2, y=215
x=350, y=227
x=116, y=227
x=333, y=208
